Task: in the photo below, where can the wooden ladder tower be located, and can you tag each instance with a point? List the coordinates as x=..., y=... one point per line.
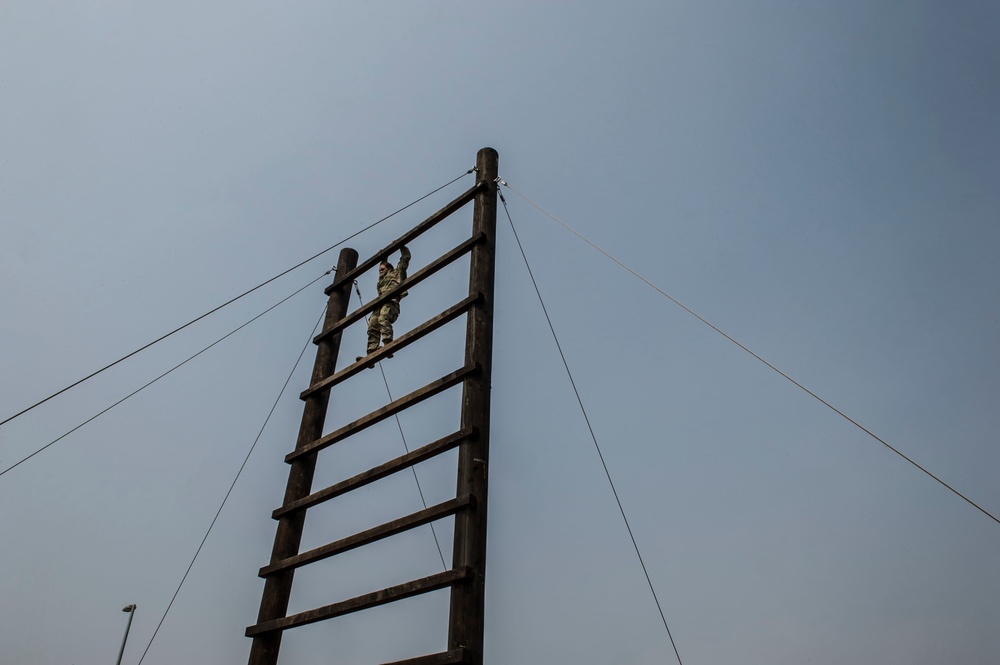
x=467, y=575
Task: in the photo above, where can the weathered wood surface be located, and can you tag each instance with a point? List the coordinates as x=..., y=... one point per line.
x=402, y=341
x=444, y=658
x=411, y=458
x=368, y=536
x=287, y=539
x=467, y=577
x=411, y=281
x=379, y=415
x=374, y=599
x=466, y=624
x=416, y=231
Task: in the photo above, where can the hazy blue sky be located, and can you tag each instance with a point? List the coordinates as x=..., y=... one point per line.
x=818, y=179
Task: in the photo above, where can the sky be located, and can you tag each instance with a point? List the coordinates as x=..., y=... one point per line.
x=816, y=179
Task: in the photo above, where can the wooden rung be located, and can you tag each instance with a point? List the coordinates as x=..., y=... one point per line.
x=404, y=340
x=444, y=658
x=399, y=592
x=391, y=409
x=416, y=231
x=372, y=535
x=377, y=473
x=411, y=281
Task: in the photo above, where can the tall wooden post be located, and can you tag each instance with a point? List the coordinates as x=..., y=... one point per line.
x=278, y=588
x=466, y=625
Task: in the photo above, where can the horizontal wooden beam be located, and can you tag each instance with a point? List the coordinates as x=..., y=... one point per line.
x=416, y=231
x=453, y=657
x=369, y=536
x=441, y=262
x=417, y=396
x=374, y=599
x=389, y=349
x=377, y=473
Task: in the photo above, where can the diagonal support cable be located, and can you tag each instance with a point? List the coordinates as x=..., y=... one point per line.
x=593, y=436
x=406, y=447
x=175, y=367
x=758, y=357
x=228, y=302
x=233, y=484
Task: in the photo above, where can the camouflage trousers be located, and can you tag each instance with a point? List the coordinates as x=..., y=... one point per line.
x=380, y=324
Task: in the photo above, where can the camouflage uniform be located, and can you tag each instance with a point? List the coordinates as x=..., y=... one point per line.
x=380, y=323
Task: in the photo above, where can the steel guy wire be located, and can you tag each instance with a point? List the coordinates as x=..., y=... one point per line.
x=233, y=484
x=593, y=436
x=229, y=302
x=402, y=436
x=177, y=366
x=758, y=357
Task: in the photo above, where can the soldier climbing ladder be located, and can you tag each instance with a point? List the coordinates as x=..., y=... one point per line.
x=467, y=576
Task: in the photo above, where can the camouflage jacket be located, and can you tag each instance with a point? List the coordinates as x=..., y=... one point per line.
x=393, y=277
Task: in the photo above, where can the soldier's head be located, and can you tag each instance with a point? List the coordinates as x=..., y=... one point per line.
x=384, y=267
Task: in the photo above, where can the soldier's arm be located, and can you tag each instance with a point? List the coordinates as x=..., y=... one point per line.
x=404, y=260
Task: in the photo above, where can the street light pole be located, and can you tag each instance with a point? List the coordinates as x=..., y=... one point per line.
x=131, y=613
